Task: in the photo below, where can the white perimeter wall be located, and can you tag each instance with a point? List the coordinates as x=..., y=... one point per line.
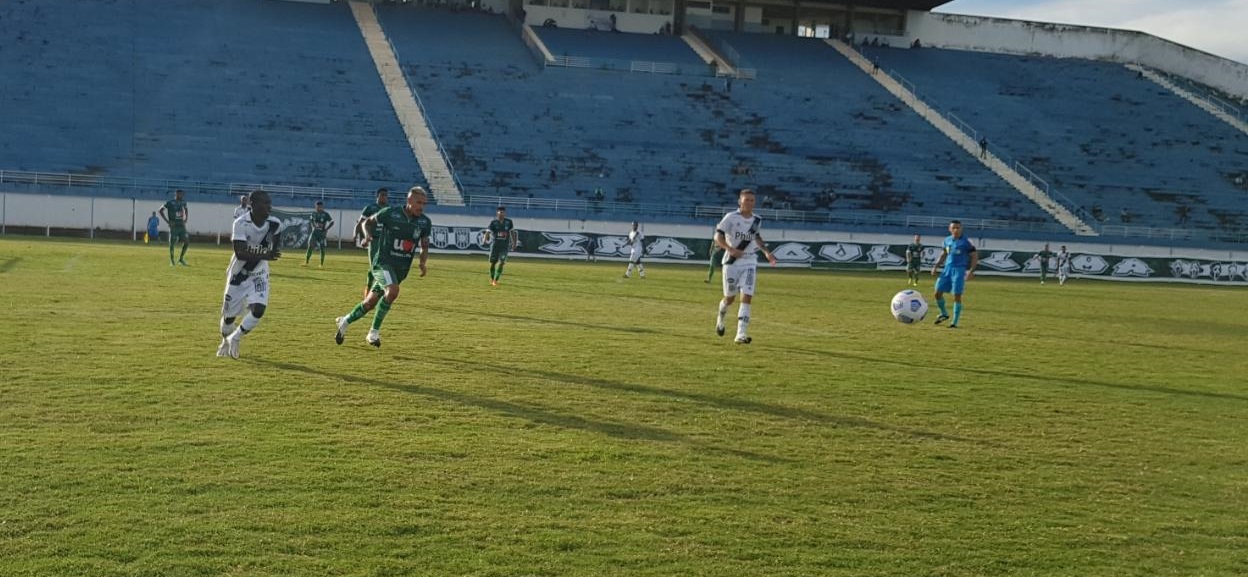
x=580, y=18
x=31, y=210
x=1070, y=41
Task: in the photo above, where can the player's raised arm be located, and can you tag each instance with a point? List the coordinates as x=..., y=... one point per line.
x=366, y=228
x=762, y=245
x=939, y=261
x=424, y=253
x=721, y=241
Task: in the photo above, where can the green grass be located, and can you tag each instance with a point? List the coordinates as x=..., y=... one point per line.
x=571, y=422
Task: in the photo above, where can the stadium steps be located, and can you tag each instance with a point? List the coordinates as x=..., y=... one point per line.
x=442, y=183
x=1189, y=96
x=708, y=55
x=967, y=143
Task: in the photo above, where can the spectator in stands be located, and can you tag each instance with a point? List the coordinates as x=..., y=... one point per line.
x=554, y=176
x=613, y=28
x=243, y=207
x=983, y=147
x=767, y=202
x=916, y=44
x=598, y=195
x=875, y=66
x=1097, y=213
x=1124, y=215
x=1181, y=211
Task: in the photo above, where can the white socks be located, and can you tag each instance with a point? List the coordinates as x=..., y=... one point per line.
x=743, y=319
x=249, y=323
x=723, y=312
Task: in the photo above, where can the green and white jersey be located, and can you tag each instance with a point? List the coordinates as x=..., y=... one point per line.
x=914, y=252
x=1044, y=256
x=175, y=211
x=320, y=221
x=368, y=211
x=397, y=237
x=500, y=233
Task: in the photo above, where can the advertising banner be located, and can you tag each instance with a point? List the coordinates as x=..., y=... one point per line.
x=851, y=255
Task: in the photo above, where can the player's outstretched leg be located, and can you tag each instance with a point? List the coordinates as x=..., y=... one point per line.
x=374, y=334
x=940, y=304
x=719, y=320
x=743, y=322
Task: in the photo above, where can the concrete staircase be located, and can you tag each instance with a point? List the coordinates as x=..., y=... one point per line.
x=1042, y=199
x=1188, y=95
x=442, y=184
x=708, y=55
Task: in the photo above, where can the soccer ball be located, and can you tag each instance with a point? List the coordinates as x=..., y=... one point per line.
x=908, y=307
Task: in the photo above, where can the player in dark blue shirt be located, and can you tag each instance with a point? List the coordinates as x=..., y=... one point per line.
x=960, y=259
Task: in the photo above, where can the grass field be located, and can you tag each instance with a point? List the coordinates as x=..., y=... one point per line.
x=571, y=422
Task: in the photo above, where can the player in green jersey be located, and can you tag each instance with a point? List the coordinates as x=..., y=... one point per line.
x=501, y=237
x=395, y=232
x=914, y=260
x=175, y=214
x=383, y=196
x=717, y=255
x=321, y=222
x=1044, y=257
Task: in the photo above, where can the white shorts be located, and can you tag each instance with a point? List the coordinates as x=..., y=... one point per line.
x=739, y=277
x=634, y=255
x=254, y=290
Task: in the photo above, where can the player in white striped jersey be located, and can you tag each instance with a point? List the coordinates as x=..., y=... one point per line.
x=1063, y=266
x=247, y=278
x=737, y=234
x=636, y=248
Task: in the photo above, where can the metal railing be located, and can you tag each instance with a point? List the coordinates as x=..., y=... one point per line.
x=726, y=52
x=643, y=66
x=696, y=211
x=628, y=210
x=87, y=181
x=424, y=112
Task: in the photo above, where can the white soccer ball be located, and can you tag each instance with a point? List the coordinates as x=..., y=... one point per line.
x=908, y=307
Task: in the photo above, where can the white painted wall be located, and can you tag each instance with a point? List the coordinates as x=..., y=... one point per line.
x=1070, y=41
x=580, y=18
x=32, y=210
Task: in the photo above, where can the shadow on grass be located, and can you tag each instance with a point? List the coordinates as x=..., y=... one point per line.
x=1047, y=379
x=8, y=264
x=720, y=402
x=297, y=276
x=633, y=330
x=532, y=414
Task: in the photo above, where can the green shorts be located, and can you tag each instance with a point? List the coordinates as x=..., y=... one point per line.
x=179, y=233
x=382, y=276
x=317, y=240
x=498, y=253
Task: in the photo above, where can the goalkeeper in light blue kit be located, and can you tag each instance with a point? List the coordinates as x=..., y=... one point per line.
x=960, y=259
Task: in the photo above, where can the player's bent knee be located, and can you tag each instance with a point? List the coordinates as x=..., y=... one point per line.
x=257, y=310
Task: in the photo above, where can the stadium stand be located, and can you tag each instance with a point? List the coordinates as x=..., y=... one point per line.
x=222, y=91
x=1102, y=135
x=658, y=139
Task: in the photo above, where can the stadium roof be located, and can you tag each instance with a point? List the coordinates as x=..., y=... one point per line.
x=890, y=4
